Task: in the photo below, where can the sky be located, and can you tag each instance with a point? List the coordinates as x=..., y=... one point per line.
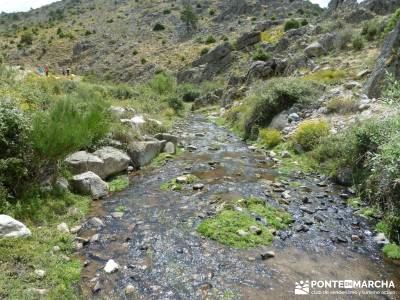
x=25, y=5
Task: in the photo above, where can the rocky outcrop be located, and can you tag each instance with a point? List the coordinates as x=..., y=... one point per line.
x=388, y=61
x=208, y=65
x=359, y=15
x=167, y=137
x=381, y=7
x=11, y=228
x=89, y=183
x=248, y=39
x=81, y=47
x=336, y=5
x=266, y=69
x=314, y=50
x=142, y=153
x=211, y=98
x=235, y=8
x=104, y=162
x=327, y=41
x=115, y=161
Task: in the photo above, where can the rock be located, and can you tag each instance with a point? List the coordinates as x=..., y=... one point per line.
x=82, y=161
x=182, y=179
x=115, y=161
x=266, y=69
x=167, y=137
x=130, y=289
x=363, y=73
x=111, y=266
x=242, y=232
x=75, y=229
x=248, y=39
x=95, y=238
x=342, y=239
x=302, y=228
x=63, y=227
x=359, y=15
x=56, y=248
x=315, y=50
x=11, y=228
x=307, y=209
x=117, y=215
x=97, y=287
x=355, y=237
x=117, y=111
x=266, y=255
x=169, y=148
x=327, y=41
x=285, y=154
x=293, y=117
x=352, y=84
x=387, y=62
x=90, y=184
x=62, y=184
x=381, y=7
x=97, y=222
x=40, y=292
x=381, y=239
x=191, y=148
x=40, y=273
x=198, y=186
x=142, y=153
x=255, y=229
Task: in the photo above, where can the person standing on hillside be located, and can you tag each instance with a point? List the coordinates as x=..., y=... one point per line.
x=68, y=71
x=46, y=70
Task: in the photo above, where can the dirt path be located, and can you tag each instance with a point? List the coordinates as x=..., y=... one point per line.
x=162, y=257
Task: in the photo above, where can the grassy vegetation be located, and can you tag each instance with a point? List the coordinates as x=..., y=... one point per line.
x=266, y=101
x=19, y=258
x=392, y=251
x=327, y=76
x=232, y=227
x=175, y=186
x=309, y=134
x=118, y=184
x=269, y=138
x=162, y=158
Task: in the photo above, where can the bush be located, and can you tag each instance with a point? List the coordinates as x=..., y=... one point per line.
x=189, y=93
x=358, y=43
x=393, y=21
x=261, y=54
x=304, y=22
x=269, y=137
x=270, y=99
x=204, y=51
x=342, y=105
x=343, y=38
x=210, y=40
x=327, y=76
x=370, y=30
x=162, y=83
x=72, y=123
x=392, y=251
x=309, y=134
x=15, y=148
x=175, y=103
x=26, y=39
x=158, y=27
x=391, y=94
x=291, y=24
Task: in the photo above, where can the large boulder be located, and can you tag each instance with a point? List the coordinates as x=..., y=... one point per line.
x=82, y=161
x=266, y=69
x=89, y=183
x=359, y=15
x=11, y=228
x=314, y=50
x=248, y=39
x=381, y=7
x=388, y=61
x=142, y=153
x=211, y=98
x=115, y=161
x=327, y=41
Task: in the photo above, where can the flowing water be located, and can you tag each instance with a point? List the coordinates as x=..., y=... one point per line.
x=163, y=257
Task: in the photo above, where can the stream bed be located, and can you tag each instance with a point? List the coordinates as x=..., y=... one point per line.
x=161, y=256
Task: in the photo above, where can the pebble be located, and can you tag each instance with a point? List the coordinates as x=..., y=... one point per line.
x=307, y=210
x=241, y=232
x=95, y=221
x=56, y=248
x=302, y=228
x=75, y=229
x=198, y=186
x=97, y=287
x=181, y=179
x=255, y=229
x=40, y=273
x=267, y=255
x=117, y=214
x=355, y=237
x=111, y=266
x=63, y=227
x=129, y=289
x=191, y=148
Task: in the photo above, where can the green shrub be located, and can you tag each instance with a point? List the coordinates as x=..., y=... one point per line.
x=269, y=137
x=158, y=27
x=261, y=54
x=189, y=17
x=72, y=123
x=391, y=94
x=392, y=251
x=291, y=24
x=175, y=103
x=342, y=105
x=370, y=30
x=358, y=43
x=393, y=21
x=271, y=98
x=162, y=83
x=15, y=148
x=210, y=40
x=304, y=22
x=189, y=93
x=309, y=134
x=327, y=76
x=343, y=38
x=204, y=51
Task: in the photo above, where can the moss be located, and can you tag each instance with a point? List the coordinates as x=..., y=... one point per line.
x=368, y=212
x=162, y=158
x=20, y=257
x=173, y=185
x=392, y=251
x=354, y=202
x=224, y=227
x=327, y=76
x=118, y=184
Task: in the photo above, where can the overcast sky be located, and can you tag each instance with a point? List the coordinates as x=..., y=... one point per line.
x=25, y=5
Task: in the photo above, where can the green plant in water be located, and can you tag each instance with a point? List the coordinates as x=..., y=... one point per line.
x=118, y=184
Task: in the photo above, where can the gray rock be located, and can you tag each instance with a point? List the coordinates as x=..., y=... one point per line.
x=115, y=161
x=142, y=153
x=266, y=69
x=40, y=273
x=381, y=239
x=358, y=16
x=248, y=39
x=293, y=117
x=111, y=266
x=82, y=161
x=167, y=137
x=267, y=255
x=388, y=61
x=129, y=289
x=89, y=183
x=315, y=50
x=327, y=41
x=63, y=227
x=169, y=148
x=11, y=228
x=62, y=184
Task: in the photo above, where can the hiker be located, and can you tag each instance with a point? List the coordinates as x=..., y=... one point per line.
x=46, y=70
x=63, y=71
x=68, y=71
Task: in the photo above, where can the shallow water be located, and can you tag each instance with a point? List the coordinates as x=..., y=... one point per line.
x=162, y=256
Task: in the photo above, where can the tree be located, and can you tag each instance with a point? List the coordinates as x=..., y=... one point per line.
x=189, y=17
x=26, y=40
